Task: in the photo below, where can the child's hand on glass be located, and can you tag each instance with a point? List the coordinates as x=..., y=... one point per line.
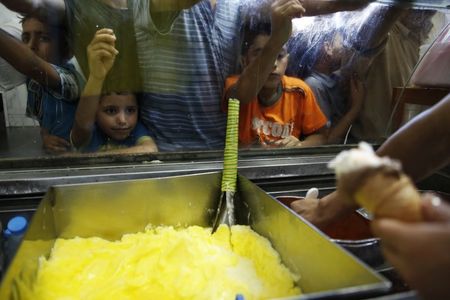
x=102, y=53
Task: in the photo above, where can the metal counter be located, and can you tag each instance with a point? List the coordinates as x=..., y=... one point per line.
x=23, y=182
x=111, y=209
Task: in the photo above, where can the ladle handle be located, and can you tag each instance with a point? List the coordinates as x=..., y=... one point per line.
x=230, y=157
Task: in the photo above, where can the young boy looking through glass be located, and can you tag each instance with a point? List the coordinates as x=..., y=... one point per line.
x=107, y=122
x=53, y=84
x=276, y=110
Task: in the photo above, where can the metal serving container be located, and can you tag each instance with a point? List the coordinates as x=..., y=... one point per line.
x=109, y=210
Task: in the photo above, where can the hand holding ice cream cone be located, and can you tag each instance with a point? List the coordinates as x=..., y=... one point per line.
x=377, y=184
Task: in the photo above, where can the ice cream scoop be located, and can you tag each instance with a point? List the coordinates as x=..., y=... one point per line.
x=376, y=183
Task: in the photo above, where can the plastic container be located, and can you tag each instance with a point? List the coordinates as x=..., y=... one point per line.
x=12, y=236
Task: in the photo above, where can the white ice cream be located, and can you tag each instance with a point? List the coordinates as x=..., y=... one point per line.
x=360, y=158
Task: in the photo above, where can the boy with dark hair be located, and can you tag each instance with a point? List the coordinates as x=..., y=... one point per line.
x=276, y=110
x=107, y=122
x=321, y=68
x=53, y=84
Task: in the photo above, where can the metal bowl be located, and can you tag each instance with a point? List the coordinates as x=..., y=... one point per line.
x=352, y=232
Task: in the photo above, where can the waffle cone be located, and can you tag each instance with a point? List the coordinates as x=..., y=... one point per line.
x=389, y=196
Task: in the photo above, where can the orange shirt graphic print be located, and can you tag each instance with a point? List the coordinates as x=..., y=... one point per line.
x=268, y=132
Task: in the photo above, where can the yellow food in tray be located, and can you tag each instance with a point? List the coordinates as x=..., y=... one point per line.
x=166, y=263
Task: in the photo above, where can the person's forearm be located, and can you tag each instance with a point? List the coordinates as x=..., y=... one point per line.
x=372, y=35
x=86, y=111
x=53, y=8
x=423, y=144
x=24, y=60
x=338, y=131
x=256, y=73
x=321, y=7
x=146, y=147
x=21, y=6
x=314, y=140
x=133, y=149
x=171, y=5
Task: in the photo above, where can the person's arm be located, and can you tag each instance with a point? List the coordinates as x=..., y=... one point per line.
x=422, y=145
x=27, y=62
x=171, y=5
x=146, y=146
x=337, y=132
x=370, y=40
x=321, y=7
x=316, y=139
x=377, y=26
x=256, y=72
x=101, y=56
x=53, y=144
x=53, y=10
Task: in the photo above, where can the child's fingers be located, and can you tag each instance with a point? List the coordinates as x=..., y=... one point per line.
x=291, y=9
x=104, y=38
x=104, y=47
x=57, y=150
x=289, y=141
x=102, y=54
x=61, y=142
x=57, y=145
x=105, y=30
x=280, y=142
x=297, y=10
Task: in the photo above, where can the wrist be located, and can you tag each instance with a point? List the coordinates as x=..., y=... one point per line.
x=93, y=86
x=276, y=41
x=351, y=115
x=95, y=80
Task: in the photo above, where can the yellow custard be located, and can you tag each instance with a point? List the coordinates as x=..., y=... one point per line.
x=166, y=263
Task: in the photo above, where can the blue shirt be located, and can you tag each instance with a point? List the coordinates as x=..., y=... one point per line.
x=101, y=142
x=184, y=67
x=55, y=109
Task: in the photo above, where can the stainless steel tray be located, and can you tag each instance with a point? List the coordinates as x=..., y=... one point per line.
x=111, y=209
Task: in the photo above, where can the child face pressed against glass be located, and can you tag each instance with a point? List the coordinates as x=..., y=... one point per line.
x=279, y=66
x=37, y=36
x=117, y=115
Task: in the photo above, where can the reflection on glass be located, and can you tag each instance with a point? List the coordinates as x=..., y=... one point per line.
x=176, y=60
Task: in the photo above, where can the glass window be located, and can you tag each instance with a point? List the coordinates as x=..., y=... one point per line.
x=80, y=77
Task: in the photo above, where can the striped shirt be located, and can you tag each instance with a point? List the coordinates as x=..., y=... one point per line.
x=184, y=68
x=55, y=108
